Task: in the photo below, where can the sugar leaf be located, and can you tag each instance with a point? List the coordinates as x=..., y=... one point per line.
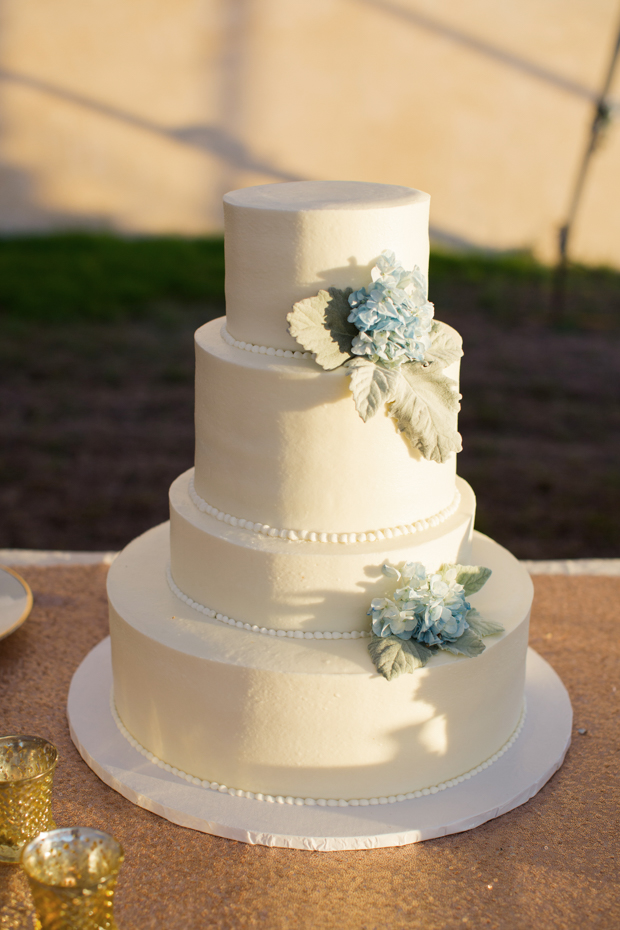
x=388, y=656
x=371, y=386
x=472, y=577
x=419, y=651
x=482, y=627
x=446, y=345
x=469, y=644
x=393, y=656
x=321, y=326
x=425, y=406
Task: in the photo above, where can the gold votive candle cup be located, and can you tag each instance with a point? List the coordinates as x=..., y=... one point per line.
x=72, y=875
x=27, y=766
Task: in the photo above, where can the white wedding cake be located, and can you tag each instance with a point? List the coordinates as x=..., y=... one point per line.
x=318, y=623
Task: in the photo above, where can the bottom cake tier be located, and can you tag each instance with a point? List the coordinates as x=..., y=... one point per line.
x=308, y=718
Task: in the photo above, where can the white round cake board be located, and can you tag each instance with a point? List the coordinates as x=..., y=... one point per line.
x=516, y=776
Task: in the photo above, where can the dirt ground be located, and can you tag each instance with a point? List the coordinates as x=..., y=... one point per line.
x=97, y=420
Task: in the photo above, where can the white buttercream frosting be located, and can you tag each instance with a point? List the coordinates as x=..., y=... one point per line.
x=279, y=442
x=286, y=241
x=253, y=627
x=312, y=802
x=390, y=532
x=285, y=585
x=307, y=717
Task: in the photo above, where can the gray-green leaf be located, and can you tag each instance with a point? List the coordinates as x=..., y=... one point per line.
x=472, y=577
x=321, y=326
x=446, y=345
x=371, y=386
x=469, y=644
x=392, y=656
x=482, y=627
x=418, y=650
x=425, y=406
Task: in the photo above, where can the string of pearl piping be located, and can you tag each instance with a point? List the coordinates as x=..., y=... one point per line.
x=253, y=627
x=404, y=529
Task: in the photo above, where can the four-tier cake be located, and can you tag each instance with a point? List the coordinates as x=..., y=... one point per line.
x=319, y=621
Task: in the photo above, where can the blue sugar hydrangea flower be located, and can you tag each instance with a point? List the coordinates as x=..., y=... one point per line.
x=429, y=608
x=393, y=315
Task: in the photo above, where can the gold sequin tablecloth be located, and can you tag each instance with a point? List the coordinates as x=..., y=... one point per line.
x=549, y=865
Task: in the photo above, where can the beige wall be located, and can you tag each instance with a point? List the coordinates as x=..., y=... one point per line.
x=137, y=115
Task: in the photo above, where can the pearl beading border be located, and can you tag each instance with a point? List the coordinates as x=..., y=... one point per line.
x=312, y=802
x=263, y=529
x=262, y=350
x=253, y=627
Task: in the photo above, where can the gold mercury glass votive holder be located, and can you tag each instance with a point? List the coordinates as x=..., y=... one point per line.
x=72, y=875
x=27, y=766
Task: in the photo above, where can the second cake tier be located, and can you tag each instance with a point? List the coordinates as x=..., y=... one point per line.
x=298, y=585
x=279, y=442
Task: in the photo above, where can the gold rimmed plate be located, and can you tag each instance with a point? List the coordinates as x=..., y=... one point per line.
x=15, y=601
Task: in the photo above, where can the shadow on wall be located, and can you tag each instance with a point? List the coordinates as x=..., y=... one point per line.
x=206, y=138
x=481, y=47
x=21, y=209
x=18, y=202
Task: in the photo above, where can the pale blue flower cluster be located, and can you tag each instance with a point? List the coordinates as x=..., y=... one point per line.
x=429, y=608
x=393, y=315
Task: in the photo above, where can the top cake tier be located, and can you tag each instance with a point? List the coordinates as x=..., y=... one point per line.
x=285, y=242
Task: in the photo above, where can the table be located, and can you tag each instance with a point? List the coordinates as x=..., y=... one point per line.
x=549, y=864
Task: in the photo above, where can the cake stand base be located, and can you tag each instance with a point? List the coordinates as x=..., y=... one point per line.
x=512, y=780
